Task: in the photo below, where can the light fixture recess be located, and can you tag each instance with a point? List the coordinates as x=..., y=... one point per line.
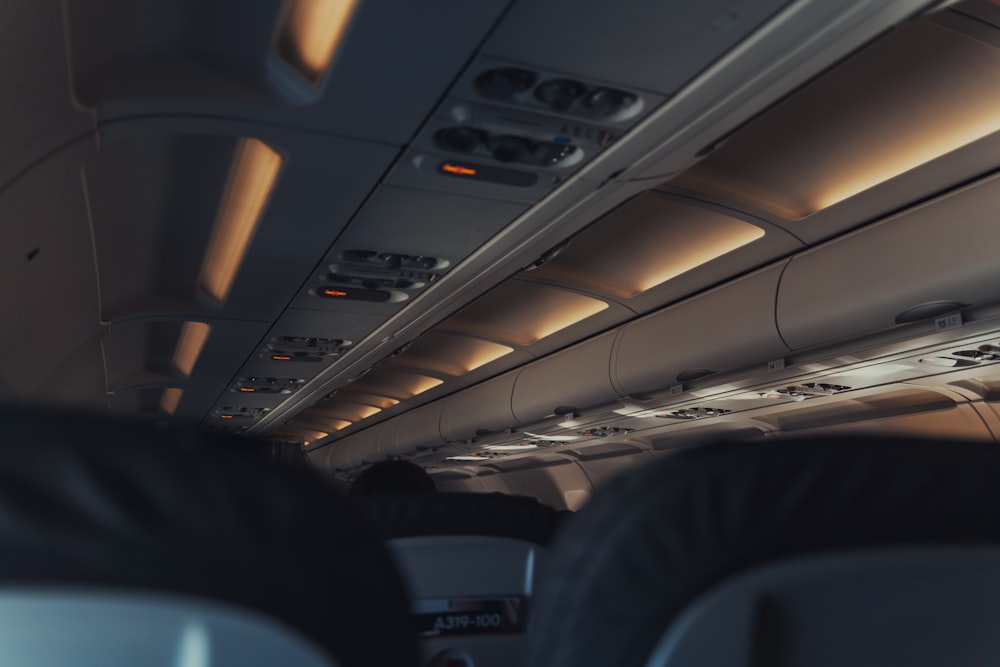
x=251, y=183
x=189, y=346
x=310, y=32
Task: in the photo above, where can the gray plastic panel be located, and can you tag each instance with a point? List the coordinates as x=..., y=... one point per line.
x=37, y=110
x=418, y=222
x=941, y=251
x=467, y=565
x=485, y=407
x=652, y=46
x=116, y=630
x=579, y=377
x=360, y=96
x=699, y=334
x=141, y=351
x=49, y=291
x=156, y=187
x=892, y=607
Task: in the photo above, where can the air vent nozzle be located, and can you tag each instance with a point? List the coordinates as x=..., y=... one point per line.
x=693, y=413
x=800, y=392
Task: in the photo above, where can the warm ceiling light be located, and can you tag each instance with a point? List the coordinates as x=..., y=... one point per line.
x=311, y=422
x=171, y=399
x=310, y=437
x=919, y=93
x=521, y=313
x=189, y=346
x=254, y=173
x=310, y=33
x=398, y=384
x=383, y=402
x=425, y=384
x=450, y=355
x=645, y=244
x=340, y=408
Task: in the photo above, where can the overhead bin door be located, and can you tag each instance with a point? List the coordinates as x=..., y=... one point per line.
x=935, y=257
x=723, y=330
x=575, y=378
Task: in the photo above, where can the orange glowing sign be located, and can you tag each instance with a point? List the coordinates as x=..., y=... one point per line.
x=333, y=292
x=225, y=416
x=281, y=357
x=458, y=169
x=247, y=389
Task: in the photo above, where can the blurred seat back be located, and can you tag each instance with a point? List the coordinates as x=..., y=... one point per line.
x=123, y=543
x=471, y=563
x=788, y=553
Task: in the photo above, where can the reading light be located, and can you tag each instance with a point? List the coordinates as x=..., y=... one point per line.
x=552, y=438
x=171, y=399
x=468, y=457
x=512, y=448
x=310, y=33
x=251, y=183
x=189, y=346
x=939, y=361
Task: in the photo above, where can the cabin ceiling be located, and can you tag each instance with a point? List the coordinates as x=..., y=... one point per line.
x=262, y=220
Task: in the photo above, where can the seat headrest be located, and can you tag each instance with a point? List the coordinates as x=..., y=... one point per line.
x=90, y=503
x=492, y=514
x=656, y=539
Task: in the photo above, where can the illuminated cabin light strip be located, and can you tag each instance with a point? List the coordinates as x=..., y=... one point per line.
x=311, y=32
x=171, y=399
x=312, y=436
x=425, y=384
x=254, y=174
x=189, y=346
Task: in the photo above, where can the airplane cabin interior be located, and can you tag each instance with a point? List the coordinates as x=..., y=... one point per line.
x=536, y=248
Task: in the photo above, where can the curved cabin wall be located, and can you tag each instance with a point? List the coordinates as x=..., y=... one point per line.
x=943, y=251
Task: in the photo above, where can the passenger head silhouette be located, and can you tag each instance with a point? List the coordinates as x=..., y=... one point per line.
x=392, y=477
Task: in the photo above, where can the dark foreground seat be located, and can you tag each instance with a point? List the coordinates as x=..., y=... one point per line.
x=127, y=544
x=471, y=564
x=820, y=553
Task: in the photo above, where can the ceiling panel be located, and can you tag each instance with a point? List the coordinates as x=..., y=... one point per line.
x=37, y=108
x=224, y=58
x=49, y=293
x=158, y=189
x=910, y=98
x=653, y=46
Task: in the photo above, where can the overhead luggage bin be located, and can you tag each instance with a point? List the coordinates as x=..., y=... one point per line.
x=580, y=377
x=696, y=338
x=480, y=410
x=866, y=282
x=414, y=430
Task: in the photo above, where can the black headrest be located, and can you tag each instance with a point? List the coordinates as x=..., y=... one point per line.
x=654, y=540
x=494, y=514
x=91, y=503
